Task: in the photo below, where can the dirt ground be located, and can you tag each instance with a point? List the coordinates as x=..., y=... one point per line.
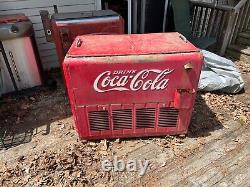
x=41, y=147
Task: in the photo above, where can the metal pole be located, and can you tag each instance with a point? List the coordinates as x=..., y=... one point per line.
x=143, y=12
x=165, y=16
x=129, y=16
x=135, y=8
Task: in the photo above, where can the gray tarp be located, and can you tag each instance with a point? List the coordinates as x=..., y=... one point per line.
x=219, y=74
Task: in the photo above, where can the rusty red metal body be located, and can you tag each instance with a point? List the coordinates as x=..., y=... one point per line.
x=66, y=26
x=132, y=85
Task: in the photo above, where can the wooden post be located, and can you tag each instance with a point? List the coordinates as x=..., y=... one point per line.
x=228, y=33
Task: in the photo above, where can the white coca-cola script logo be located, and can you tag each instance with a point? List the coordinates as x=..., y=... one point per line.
x=124, y=80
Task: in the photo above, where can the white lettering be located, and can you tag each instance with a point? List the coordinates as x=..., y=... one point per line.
x=143, y=168
x=131, y=166
x=124, y=80
x=122, y=166
x=106, y=165
x=119, y=165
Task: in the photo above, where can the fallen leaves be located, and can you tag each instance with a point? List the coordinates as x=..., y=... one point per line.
x=79, y=164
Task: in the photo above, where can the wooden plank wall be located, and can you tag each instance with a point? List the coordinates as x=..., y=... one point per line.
x=31, y=8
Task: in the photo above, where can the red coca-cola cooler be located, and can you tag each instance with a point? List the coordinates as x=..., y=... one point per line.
x=132, y=85
x=66, y=26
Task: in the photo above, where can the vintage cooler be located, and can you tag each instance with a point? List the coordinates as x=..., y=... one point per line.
x=132, y=85
x=20, y=67
x=66, y=26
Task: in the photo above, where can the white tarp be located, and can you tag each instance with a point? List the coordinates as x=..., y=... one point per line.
x=219, y=74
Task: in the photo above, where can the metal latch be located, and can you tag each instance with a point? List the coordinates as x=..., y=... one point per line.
x=46, y=25
x=188, y=66
x=45, y=16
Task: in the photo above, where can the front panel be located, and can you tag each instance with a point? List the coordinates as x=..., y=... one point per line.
x=128, y=96
x=23, y=63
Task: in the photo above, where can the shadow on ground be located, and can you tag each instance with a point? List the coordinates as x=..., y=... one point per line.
x=25, y=114
x=204, y=120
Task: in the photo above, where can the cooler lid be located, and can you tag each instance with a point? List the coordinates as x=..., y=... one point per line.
x=13, y=18
x=134, y=44
x=83, y=15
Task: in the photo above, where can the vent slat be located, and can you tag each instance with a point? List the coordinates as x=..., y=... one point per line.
x=98, y=112
x=100, y=125
x=145, y=118
x=99, y=120
x=122, y=119
x=172, y=122
x=168, y=117
x=123, y=115
x=172, y=113
x=167, y=122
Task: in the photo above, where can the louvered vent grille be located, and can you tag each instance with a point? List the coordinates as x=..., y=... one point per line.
x=122, y=119
x=99, y=120
x=145, y=118
x=168, y=117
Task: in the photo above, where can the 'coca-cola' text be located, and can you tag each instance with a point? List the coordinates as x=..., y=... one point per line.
x=132, y=80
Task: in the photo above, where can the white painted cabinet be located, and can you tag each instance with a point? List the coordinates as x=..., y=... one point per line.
x=23, y=64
